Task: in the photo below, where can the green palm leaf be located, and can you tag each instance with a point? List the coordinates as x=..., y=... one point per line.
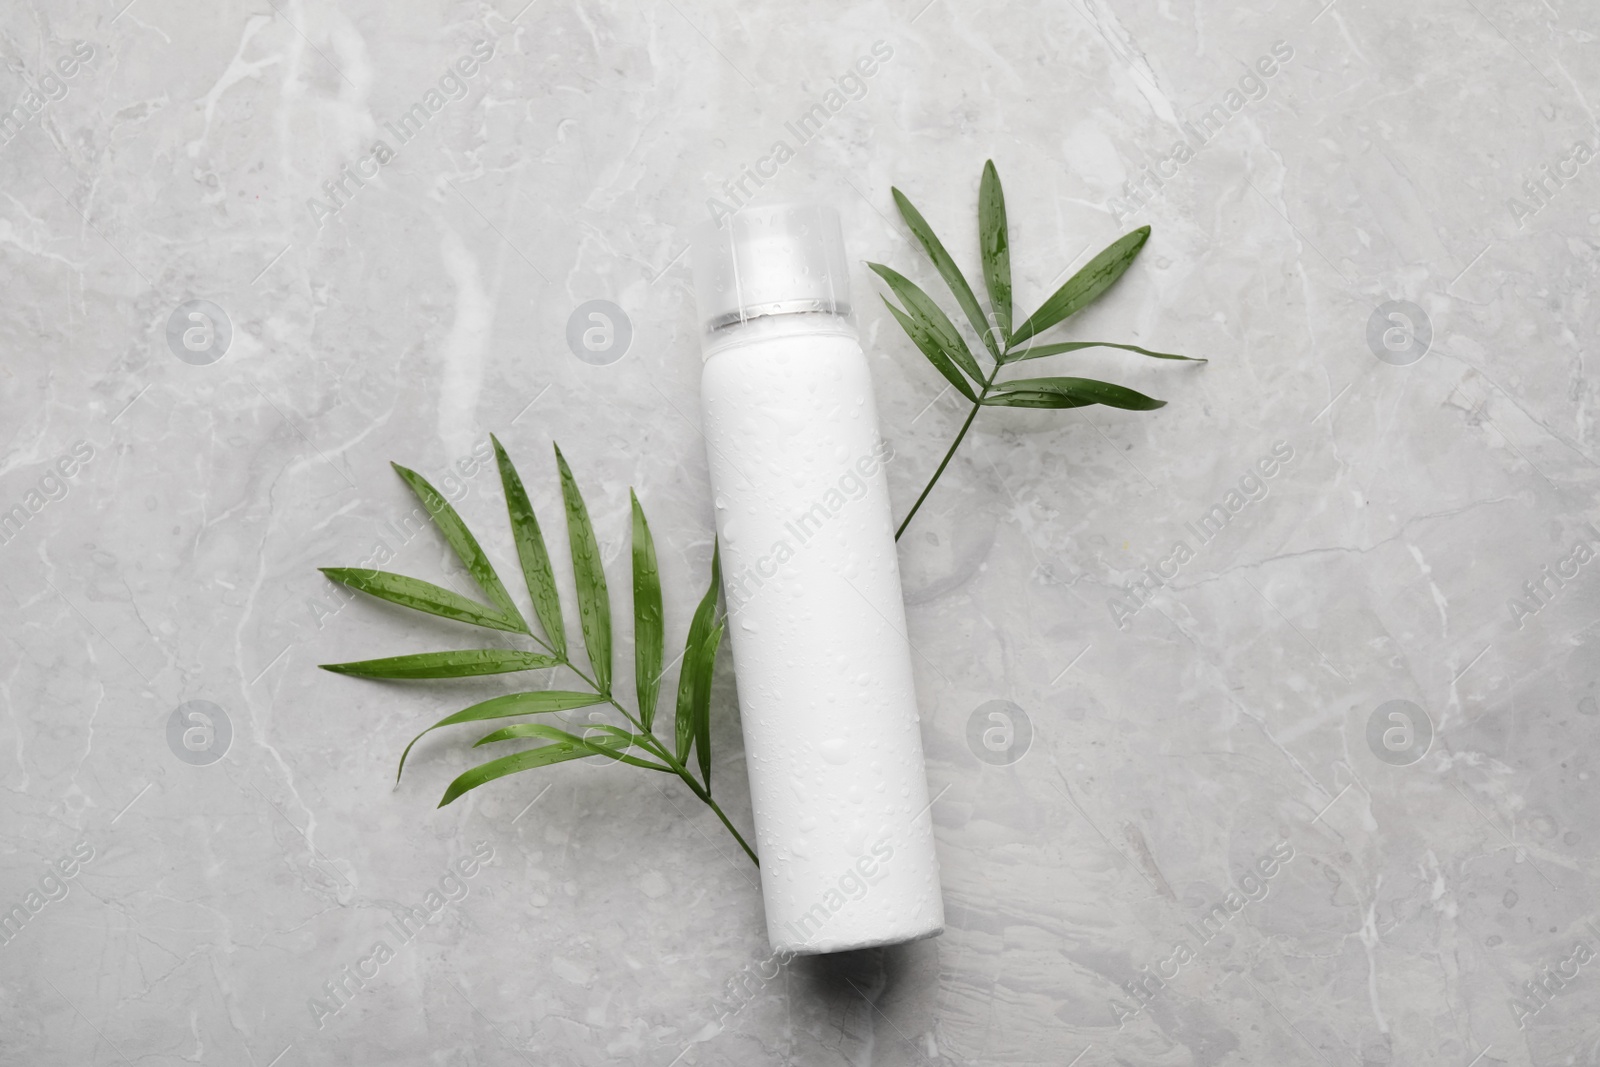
x=930, y=347
x=648, y=635
x=930, y=319
x=947, y=269
x=513, y=704
x=465, y=663
x=1083, y=287
x=617, y=738
x=694, y=677
x=418, y=595
x=594, y=602
x=522, y=761
x=531, y=552
x=994, y=242
x=1040, y=351
x=700, y=711
x=604, y=740
x=1074, y=392
x=462, y=543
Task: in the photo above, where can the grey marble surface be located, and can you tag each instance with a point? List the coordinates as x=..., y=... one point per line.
x=1426, y=869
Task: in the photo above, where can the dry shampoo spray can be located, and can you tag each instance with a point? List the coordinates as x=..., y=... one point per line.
x=812, y=583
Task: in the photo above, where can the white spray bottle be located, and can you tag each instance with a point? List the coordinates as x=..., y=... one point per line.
x=812, y=582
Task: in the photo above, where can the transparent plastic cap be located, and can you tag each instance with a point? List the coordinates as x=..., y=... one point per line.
x=777, y=259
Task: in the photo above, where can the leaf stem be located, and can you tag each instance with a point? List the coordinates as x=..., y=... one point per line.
x=656, y=748
x=712, y=804
x=965, y=426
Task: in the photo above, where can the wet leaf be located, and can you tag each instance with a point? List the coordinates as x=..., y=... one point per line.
x=689, y=675
x=464, y=663
x=509, y=706
x=1083, y=287
x=594, y=602
x=705, y=667
x=1080, y=391
x=648, y=636
x=994, y=243
x=930, y=321
x=947, y=269
x=462, y=543
x=1033, y=399
x=531, y=552
x=543, y=756
x=931, y=349
x=613, y=746
x=1040, y=351
x=418, y=595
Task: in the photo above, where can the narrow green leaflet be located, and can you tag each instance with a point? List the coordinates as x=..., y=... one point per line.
x=931, y=318
x=594, y=602
x=462, y=543
x=1033, y=399
x=994, y=241
x=1082, y=288
x=422, y=596
x=648, y=635
x=607, y=746
x=947, y=269
x=1039, y=351
x=511, y=733
x=633, y=740
x=521, y=761
x=702, y=703
x=689, y=673
x=930, y=348
x=531, y=551
x=506, y=707
x=1081, y=390
x=465, y=663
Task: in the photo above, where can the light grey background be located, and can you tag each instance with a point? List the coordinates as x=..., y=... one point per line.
x=1169, y=750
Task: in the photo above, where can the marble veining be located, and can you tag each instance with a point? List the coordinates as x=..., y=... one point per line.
x=1261, y=728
